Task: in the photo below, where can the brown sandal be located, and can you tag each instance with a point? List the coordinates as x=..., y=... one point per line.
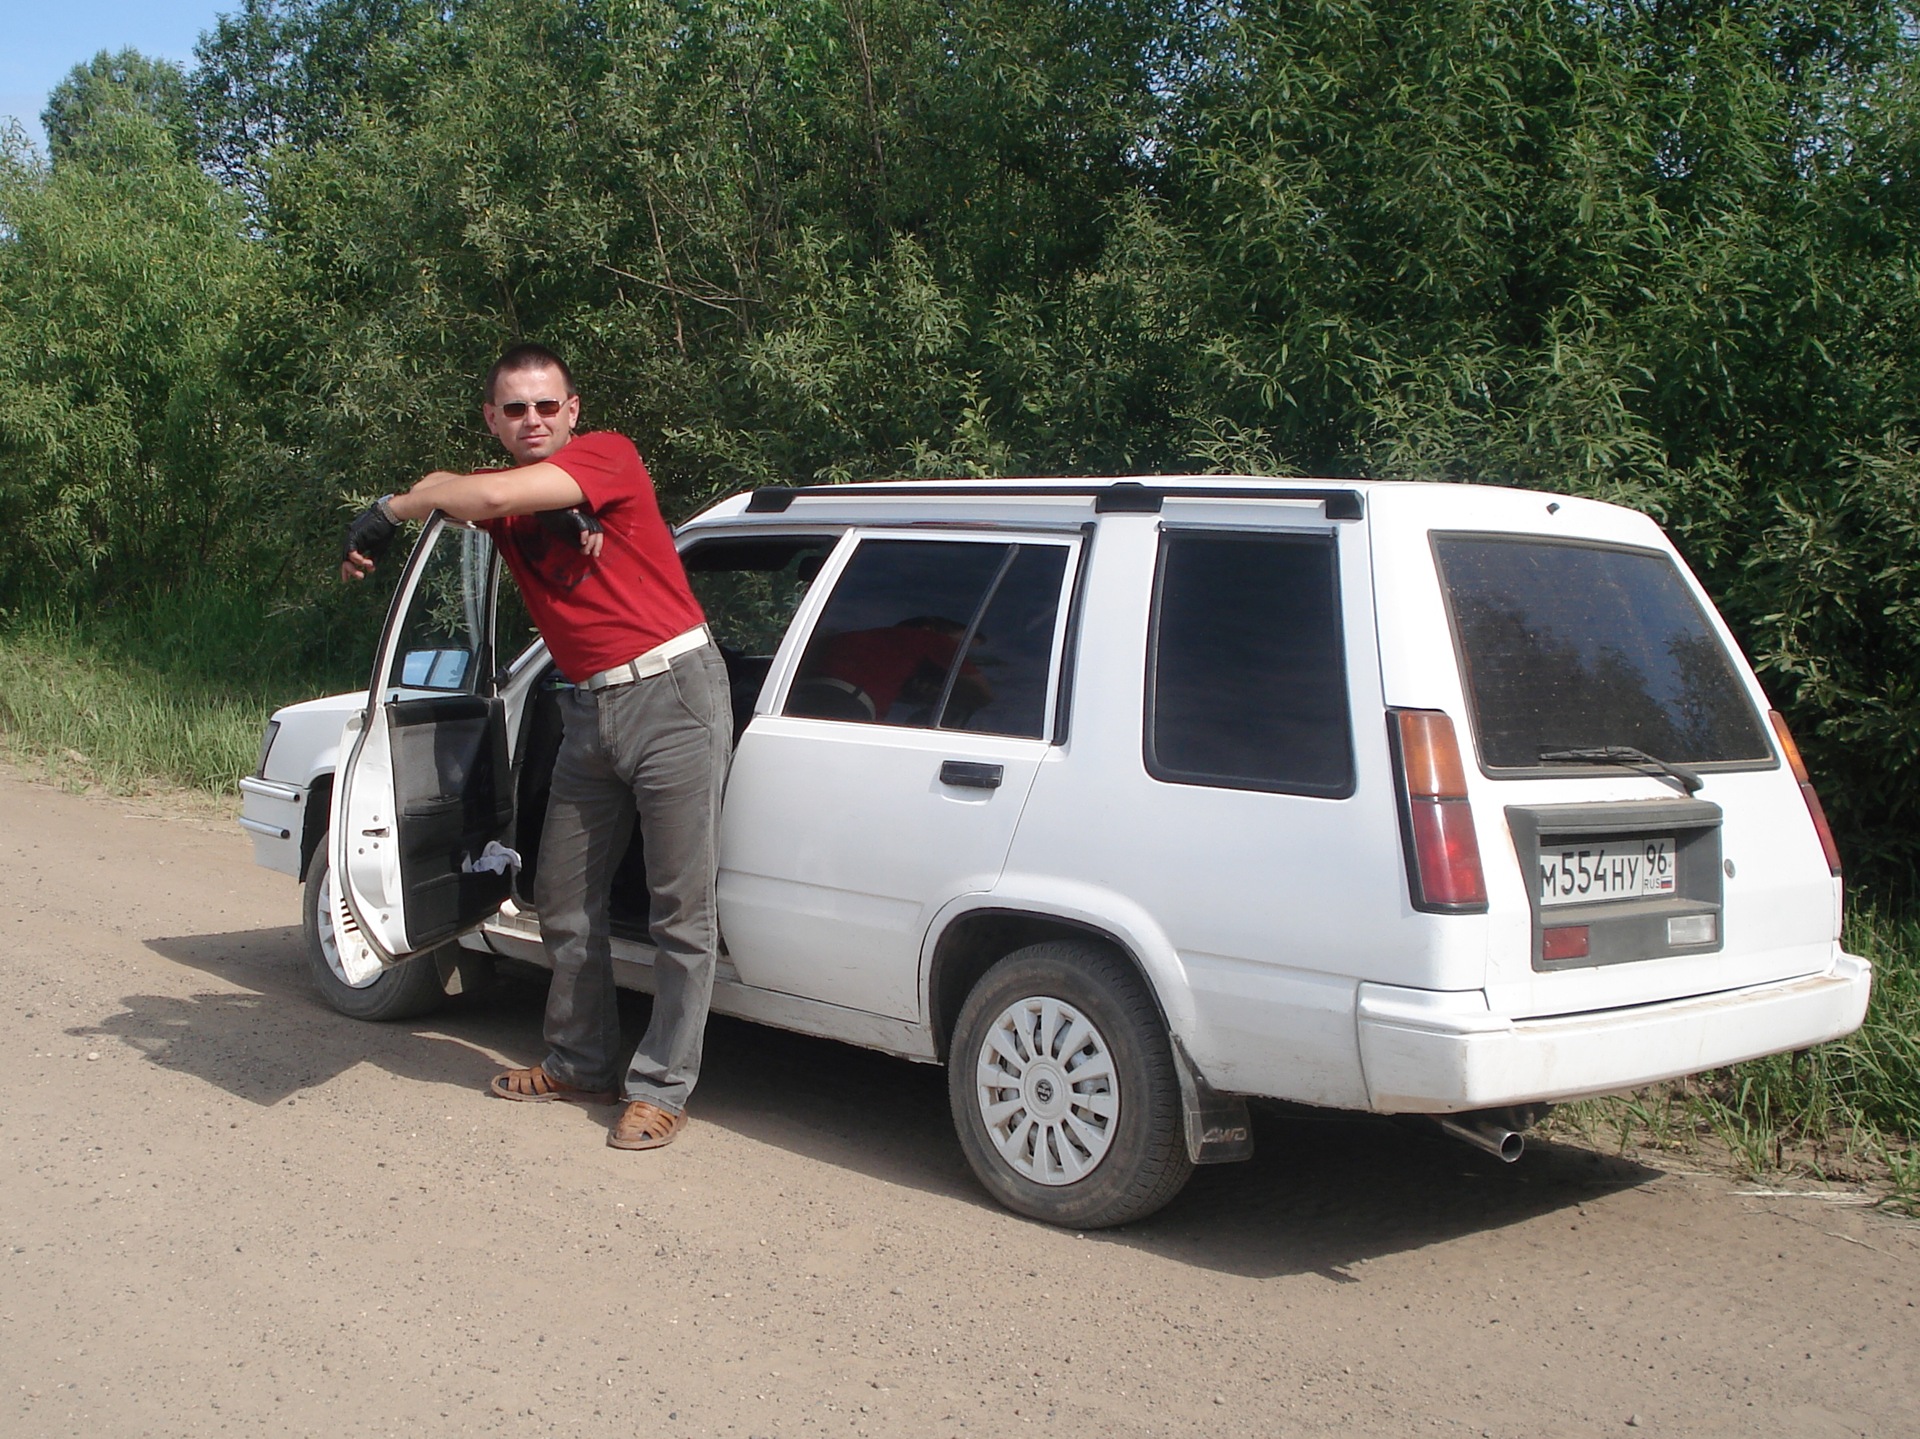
x=536, y=1086
x=646, y=1125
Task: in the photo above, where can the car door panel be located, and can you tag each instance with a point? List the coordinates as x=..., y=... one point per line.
x=840, y=843
x=852, y=817
x=427, y=785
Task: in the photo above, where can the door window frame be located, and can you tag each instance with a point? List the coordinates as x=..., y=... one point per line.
x=480, y=673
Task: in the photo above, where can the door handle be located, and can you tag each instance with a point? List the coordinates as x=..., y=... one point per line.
x=970, y=774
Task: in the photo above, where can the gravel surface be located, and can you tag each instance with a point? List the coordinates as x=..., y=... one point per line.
x=224, y=1208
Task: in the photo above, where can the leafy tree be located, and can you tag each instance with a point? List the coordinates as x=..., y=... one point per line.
x=287, y=73
x=123, y=275
x=1660, y=253
x=666, y=187
x=111, y=84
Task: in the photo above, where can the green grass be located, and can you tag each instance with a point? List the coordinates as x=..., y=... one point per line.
x=126, y=728
x=168, y=692
x=174, y=692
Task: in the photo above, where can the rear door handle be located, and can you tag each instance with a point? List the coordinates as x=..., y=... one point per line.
x=970, y=774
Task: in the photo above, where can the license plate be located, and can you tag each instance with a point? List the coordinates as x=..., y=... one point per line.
x=1617, y=869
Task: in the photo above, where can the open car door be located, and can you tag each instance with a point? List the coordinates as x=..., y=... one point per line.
x=426, y=785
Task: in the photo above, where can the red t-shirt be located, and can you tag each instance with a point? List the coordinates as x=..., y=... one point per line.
x=600, y=612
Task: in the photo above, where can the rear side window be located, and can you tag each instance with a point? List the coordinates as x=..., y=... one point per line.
x=938, y=634
x=1247, y=675
x=1568, y=646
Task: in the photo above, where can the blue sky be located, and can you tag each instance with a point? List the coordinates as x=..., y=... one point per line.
x=47, y=38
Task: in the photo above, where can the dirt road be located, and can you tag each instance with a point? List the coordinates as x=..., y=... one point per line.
x=223, y=1208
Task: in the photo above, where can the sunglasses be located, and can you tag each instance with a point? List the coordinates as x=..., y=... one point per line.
x=517, y=409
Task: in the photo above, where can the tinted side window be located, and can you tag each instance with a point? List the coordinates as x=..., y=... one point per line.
x=919, y=630
x=1004, y=688
x=749, y=587
x=1247, y=677
x=1567, y=646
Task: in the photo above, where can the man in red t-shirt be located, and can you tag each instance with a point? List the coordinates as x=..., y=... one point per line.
x=647, y=731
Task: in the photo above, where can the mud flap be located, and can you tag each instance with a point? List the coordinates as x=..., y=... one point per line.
x=1218, y=1129
x=463, y=970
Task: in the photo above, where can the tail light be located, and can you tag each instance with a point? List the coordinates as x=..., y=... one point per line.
x=1799, y=768
x=1443, y=855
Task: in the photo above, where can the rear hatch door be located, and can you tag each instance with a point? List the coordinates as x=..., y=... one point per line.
x=1642, y=839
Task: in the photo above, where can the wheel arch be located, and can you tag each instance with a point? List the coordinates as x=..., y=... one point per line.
x=313, y=825
x=973, y=938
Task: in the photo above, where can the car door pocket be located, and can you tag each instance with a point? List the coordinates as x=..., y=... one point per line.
x=970, y=774
x=451, y=774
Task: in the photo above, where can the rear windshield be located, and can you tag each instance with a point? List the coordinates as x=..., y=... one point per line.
x=1568, y=646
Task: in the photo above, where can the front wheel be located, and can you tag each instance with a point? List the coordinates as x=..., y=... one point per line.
x=410, y=988
x=1063, y=1089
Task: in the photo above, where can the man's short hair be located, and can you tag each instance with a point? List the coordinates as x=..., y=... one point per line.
x=526, y=357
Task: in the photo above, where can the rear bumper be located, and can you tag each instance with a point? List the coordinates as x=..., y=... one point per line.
x=1425, y=1052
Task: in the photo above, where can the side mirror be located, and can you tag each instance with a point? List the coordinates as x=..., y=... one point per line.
x=435, y=669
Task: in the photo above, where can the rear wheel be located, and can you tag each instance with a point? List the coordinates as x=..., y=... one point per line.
x=410, y=988
x=1063, y=1089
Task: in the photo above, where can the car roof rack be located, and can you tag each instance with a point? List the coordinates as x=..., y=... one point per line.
x=1126, y=497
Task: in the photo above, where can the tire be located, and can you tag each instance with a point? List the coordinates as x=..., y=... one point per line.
x=1087, y=1138
x=409, y=989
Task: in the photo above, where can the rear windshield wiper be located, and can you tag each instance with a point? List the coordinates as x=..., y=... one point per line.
x=1628, y=756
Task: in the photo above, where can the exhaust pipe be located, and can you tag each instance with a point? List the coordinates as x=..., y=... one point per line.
x=1496, y=1139
x=1497, y=1131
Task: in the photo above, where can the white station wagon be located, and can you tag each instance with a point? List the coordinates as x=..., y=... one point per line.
x=1129, y=800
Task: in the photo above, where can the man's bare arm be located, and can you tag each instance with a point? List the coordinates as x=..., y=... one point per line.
x=491, y=494
x=488, y=495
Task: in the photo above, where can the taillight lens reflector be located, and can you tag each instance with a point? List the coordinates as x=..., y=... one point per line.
x=1566, y=941
x=1799, y=768
x=1445, y=872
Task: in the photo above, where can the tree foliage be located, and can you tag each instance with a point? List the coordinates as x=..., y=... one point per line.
x=1659, y=253
x=79, y=108
x=124, y=275
x=287, y=73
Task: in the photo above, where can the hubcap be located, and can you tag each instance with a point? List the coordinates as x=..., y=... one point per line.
x=1045, y=1084
x=329, y=941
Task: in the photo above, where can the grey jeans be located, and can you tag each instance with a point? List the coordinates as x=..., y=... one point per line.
x=657, y=750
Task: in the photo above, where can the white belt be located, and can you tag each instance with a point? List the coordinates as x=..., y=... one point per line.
x=654, y=662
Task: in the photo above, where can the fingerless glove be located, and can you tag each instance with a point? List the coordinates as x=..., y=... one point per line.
x=371, y=531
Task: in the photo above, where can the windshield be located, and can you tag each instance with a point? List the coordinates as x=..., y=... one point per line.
x=1570, y=646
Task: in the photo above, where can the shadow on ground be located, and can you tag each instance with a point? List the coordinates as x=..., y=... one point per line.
x=1322, y=1193
x=276, y=1036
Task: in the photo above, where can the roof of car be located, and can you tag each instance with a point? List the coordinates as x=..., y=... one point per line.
x=1139, y=494
x=1071, y=500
